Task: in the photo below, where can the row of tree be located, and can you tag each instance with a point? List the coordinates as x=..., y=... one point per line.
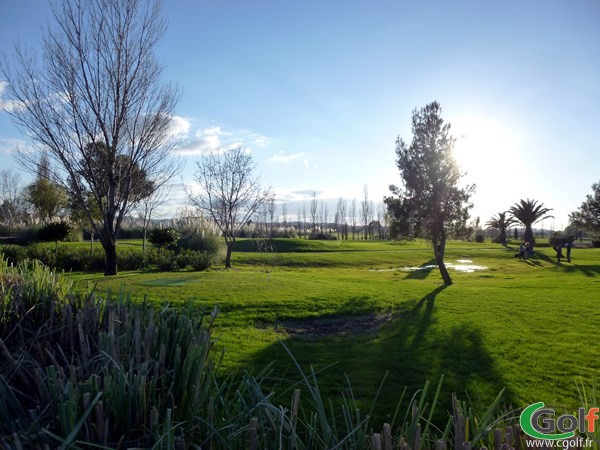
x=363, y=219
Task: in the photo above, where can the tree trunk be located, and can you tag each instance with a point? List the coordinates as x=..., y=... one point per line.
x=444, y=271
x=438, y=250
x=502, y=237
x=144, y=241
x=228, y=256
x=110, y=261
x=528, y=236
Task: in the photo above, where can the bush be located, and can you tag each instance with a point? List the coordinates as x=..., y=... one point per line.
x=80, y=259
x=28, y=235
x=134, y=259
x=75, y=235
x=13, y=254
x=480, y=238
x=200, y=261
x=164, y=237
x=54, y=232
x=198, y=240
x=130, y=233
x=6, y=230
x=322, y=237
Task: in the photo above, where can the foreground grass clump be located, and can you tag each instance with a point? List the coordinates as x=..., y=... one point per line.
x=79, y=371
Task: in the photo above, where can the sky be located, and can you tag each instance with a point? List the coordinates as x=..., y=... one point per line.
x=318, y=92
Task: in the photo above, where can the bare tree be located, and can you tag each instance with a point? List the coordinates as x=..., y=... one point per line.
x=97, y=106
x=304, y=218
x=339, y=219
x=314, y=206
x=13, y=206
x=381, y=220
x=284, y=215
x=353, y=217
x=366, y=212
x=230, y=193
x=271, y=209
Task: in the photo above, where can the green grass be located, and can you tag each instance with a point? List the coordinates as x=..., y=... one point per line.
x=528, y=327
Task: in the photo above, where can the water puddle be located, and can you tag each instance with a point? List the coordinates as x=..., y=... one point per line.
x=464, y=266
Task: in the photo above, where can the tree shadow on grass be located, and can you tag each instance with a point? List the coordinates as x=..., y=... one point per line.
x=413, y=348
x=589, y=270
x=422, y=271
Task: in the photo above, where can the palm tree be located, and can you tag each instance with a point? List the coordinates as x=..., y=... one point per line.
x=501, y=222
x=529, y=212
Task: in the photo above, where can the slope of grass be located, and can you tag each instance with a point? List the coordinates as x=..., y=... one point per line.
x=528, y=327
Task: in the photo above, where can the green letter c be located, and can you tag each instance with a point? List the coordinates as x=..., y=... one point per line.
x=528, y=427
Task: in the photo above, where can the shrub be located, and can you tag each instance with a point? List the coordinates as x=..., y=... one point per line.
x=54, y=232
x=200, y=261
x=164, y=237
x=75, y=235
x=134, y=259
x=80, y=259
x=167, y=262
x=130, y=233
x=28, y=235
x=322, y=236
x=198, y=240
x=480, y=238
x=13, y=254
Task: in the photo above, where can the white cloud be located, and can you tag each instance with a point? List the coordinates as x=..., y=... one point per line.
x=281, y=157
x=215, y=139
x=284, y=195
x=7, y=105
x=180, y=126
x=261, y=141
x=10, y=145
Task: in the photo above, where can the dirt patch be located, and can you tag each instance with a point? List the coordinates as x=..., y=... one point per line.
x=335, y=325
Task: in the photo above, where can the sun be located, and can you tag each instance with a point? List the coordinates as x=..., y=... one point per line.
x=481, y=143
x=488, y=152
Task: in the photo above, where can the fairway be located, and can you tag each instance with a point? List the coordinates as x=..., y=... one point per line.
x=524, y=326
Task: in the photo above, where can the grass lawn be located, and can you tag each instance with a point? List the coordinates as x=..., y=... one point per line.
x=528, y=327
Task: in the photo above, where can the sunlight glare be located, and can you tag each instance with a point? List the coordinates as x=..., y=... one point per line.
x=482, y=143
x=489, y=152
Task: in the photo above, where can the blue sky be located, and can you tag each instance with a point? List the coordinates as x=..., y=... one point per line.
x=319, y=91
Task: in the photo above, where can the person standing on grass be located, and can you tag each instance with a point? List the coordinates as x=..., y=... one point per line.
x=523, y=252
x=559, y=255
x=569, y=245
